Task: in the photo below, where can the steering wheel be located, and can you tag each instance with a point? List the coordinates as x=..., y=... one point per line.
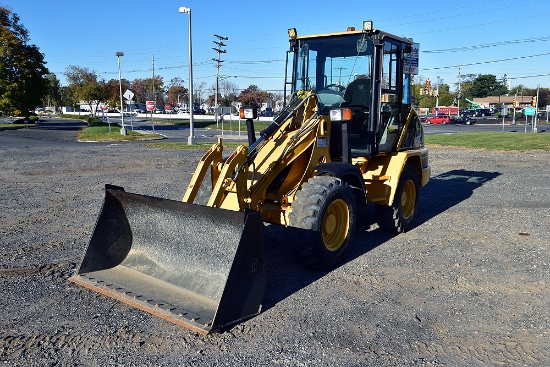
x=335, y=87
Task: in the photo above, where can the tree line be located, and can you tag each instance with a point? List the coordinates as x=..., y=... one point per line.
x=471, y=86
x=26, y=82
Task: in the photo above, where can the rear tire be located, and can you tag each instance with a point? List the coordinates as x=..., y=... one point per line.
x=399, y=217
x=325, y=206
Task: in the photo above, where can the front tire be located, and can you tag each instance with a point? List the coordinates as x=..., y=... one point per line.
x=325, y=207
x=399, y=217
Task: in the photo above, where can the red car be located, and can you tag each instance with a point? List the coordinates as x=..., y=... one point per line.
x=439, y=119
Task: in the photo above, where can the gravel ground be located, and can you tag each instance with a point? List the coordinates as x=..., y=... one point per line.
x=468, y=286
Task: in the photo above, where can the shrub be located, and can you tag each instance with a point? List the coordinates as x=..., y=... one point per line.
x=91, y=120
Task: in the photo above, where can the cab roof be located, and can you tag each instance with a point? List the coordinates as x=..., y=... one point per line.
x=357, y=32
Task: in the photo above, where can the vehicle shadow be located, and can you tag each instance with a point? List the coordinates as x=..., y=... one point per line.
x=286, y=276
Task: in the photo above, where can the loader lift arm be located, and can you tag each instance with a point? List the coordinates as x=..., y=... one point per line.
x=248, y=172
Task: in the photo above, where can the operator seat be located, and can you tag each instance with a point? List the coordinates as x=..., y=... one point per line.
x=357, y=93
x=357, y=98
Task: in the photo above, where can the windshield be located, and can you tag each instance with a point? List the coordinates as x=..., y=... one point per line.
x=329, y=64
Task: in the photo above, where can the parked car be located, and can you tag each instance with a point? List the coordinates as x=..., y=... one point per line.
x=482, y=112
x=439, y=119
x=466, y=120
x=199, y=111
x=478, y=112
x=468, y=113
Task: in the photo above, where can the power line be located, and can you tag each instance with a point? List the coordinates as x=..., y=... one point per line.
x=481, y=24
x=528, y=76
x=487, y=45
x=487, y=62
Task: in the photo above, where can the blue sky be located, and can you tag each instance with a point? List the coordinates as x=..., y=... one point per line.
x=473, y=34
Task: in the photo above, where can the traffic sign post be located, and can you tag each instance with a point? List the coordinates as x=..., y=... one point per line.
x=128, y=95
x=530, y=111
x=103, y=117
x=150, y=106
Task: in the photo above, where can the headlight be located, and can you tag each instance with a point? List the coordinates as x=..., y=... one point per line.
x=248, y=112
x=341, y=114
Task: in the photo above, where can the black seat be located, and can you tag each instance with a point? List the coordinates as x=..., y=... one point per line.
x=357, y=98
x=357, y=93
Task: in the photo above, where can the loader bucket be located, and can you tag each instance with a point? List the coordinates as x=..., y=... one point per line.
x=196, y=266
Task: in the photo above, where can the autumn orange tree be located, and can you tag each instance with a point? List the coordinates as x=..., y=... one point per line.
x=253, y=96
x=23, y=81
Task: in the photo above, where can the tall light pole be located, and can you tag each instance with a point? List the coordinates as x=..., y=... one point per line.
x=123, y=129
x=191, y=139
x=437, y=98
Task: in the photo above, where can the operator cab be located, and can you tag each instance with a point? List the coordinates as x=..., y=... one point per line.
x=362, y=71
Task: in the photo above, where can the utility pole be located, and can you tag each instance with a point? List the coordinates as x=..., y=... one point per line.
x=536, y=110
x=153, y=92
x=340, y=78
x=219, y=61
x=437, y=98
x=459, y=91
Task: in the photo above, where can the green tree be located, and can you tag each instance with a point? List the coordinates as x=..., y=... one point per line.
x=22, y=67
x=137, y=87
x=55, y=92
x=518, y=89
x=84, y=85
x=487, y=85
x=113, y=91
x=446, y=97
x=544, y=97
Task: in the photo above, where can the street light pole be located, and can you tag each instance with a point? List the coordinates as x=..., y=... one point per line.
x=191, y=139
x=123, y=129
x=437, y=98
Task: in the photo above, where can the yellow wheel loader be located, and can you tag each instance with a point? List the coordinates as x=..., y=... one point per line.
x=348, y=136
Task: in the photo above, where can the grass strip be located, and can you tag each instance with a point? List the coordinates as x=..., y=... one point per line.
x=493, y=140
x=102, y=132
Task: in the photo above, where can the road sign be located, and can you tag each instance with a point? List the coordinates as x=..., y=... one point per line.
x=529, y=111
x=128, y=95
x=411, y=60
x=150, y=105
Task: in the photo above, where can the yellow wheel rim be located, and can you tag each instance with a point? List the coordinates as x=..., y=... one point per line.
x=335, y=225
x=408, y=199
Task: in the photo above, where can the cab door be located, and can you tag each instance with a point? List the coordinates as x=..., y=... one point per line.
x=391, y=116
